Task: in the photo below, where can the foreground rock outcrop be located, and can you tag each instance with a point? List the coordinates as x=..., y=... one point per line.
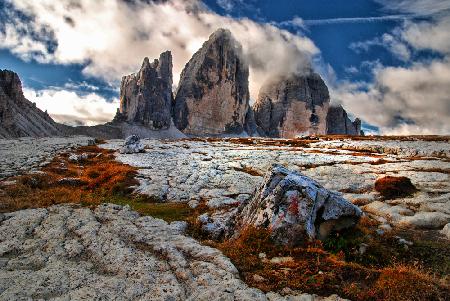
x=111, y=253
x=339, y=123
x=18, y=116
x=213, y=95
x=146, y=97
x=292, y=106
x=295, y=207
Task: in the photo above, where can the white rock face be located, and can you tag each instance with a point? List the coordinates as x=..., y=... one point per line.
x=28, y=154
x=111, y=253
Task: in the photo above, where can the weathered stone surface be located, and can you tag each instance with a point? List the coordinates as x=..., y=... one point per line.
x=213, y=95
x=146, y=97
x=111, y=253
x=339, y=123
x=18, y=116
x=132, y=145
x=28, y=154
x=216, y=172
x=292, y=106
x=293, y=207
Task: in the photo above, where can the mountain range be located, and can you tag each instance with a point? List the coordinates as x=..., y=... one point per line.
x=212, y=99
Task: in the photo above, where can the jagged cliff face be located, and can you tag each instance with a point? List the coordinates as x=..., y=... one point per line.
x=146, y=97
x=213, y=95
x=292, y=106
x=18, y=116
x=339, y=123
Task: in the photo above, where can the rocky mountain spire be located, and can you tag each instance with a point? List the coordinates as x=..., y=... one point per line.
x=18, y=116
x=339, y=123
x=290, y=106
x=146, y=96
x=213, y=95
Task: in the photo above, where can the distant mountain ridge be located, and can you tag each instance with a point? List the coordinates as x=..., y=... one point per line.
x=212, y=100
x=18, y=116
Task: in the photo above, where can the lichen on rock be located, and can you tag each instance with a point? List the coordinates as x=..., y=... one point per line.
x=295, y=207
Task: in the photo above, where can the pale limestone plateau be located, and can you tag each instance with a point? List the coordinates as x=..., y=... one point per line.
x=68, y=252
x=24, y=155
x=213, y=96
x=226, y=172
x=110, y=252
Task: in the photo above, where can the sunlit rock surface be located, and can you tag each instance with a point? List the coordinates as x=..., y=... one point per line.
x=28, y=154
x=111, y=253
x=221, y=171
x=213, y=96
x=293, y=106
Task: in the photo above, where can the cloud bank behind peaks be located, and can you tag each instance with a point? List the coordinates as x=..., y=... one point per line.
x=112, y=37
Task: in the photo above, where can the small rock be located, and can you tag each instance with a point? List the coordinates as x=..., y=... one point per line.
x=193, y=204
x=446, y=230
x=132, y=145
x=362, y=248
x=74, y=182
x=281, y=260
x=258, y=278
x=78, y=158
x=179, y=226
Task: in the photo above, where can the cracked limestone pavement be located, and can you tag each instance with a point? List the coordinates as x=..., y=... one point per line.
x=226, y=172
x=66, y=252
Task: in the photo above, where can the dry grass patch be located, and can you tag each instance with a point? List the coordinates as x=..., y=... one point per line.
x=335, y=266
x=394, y=187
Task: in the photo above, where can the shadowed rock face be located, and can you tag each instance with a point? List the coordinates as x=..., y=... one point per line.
x=295, y=207
x=213, y=95
x=146, y=97
x=288, y=107
x=18, y=116
x=339, y=123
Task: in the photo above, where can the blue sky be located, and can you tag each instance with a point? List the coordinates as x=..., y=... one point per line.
x=387, y=62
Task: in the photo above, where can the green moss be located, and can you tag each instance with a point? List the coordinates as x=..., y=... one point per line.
x=166, y=211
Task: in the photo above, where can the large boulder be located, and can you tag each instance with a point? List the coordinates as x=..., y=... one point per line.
x=338, y=122
x=295, y=207
x=291, y=106
x=213, y=95
x=146, y=96
x=18, y=116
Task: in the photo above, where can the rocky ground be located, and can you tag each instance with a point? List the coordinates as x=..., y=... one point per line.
x=28, y=154
x=226, y=172
x=111, y=253
x=69, y=252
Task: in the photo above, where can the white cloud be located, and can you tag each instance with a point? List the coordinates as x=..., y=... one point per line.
x=397, y=47
x=420, y=7
x=70, y=108
x=112, y=37
x=414, y=98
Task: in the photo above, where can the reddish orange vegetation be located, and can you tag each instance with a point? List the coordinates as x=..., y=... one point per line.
x=88, y=182
x=313, y=269
x=394, y=187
